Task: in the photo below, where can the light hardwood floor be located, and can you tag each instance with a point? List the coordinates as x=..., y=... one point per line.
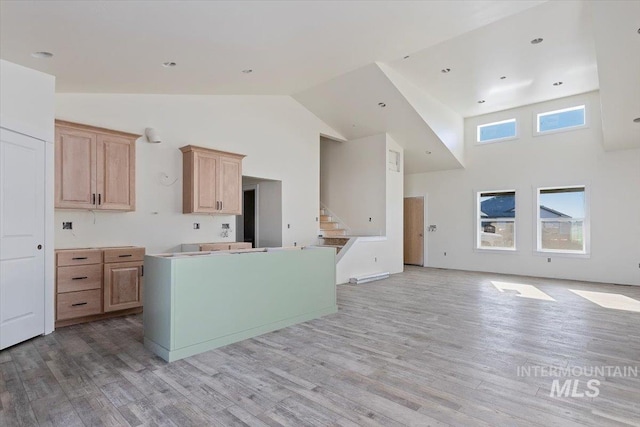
x=427, y=347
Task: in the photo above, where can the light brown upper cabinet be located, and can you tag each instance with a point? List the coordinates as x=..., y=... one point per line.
x=212, y=181
x=95, y=168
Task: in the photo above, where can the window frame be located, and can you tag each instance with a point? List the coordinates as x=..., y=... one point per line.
x=536, y=119
x=586, y=223
x=506, y=138
x=478, y=223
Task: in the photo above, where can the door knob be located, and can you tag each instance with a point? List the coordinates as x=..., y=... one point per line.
x=39, y=247
x=420, y=234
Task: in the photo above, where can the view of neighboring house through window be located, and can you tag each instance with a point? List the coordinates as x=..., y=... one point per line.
x=496, y=216
x=561, y=119
x=562, y=219
x=497, y=131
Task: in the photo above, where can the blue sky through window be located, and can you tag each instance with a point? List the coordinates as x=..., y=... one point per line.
x=498, y=130
x=560, y=119
x=569, y=203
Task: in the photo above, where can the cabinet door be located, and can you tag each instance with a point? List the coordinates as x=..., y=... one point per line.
x=230, y=185
x=116, y=173
x=205, y=174
x=122, y=285
x=75, y=154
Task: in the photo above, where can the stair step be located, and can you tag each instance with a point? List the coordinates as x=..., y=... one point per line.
x=329, y=225
x=325, y=218
x=334, y=232
x=335, y=241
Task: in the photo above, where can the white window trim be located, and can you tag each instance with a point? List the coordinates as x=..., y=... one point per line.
x=586, y=224
x=536, y=114
x=506, y=138
x=477, y=225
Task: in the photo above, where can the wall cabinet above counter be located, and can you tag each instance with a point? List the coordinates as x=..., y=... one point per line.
x=212, y=181
x=95, y=168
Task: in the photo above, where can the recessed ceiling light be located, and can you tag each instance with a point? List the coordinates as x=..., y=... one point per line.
x=537, y=40
x=381, y=104
x=503, y=77
x=42, y=55
x=247, y=71
x=558, y=84
x=482, y=101
x=169, y=64
x=636, y=120
x=445, y=70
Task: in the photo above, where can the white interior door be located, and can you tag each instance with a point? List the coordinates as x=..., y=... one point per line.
x=22, y=221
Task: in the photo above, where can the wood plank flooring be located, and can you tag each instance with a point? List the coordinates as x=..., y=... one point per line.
x=427, y=347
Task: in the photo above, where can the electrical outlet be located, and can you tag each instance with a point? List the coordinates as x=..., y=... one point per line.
x=67, y=226
x=548, y=259
x=375, y=259
x=369, y=219
x=295, y=243
x=445, y=254
x=196, y=226
x=316, y=219
x=288, y=225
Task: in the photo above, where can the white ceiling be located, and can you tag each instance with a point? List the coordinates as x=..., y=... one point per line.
x=119, y=46
x=479, y=58
x=329, y=56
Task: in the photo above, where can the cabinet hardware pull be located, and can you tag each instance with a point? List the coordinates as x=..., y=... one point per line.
x=142, y=267
x=79, y=257
x=221, y=205
x=99, y=199
x=78, y=303
x=93, y=199
x=124, y=256
x=79, y=278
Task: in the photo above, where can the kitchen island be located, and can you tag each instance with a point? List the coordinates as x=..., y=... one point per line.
x=199, y=301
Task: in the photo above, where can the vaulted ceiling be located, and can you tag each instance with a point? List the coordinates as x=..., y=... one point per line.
x=340, y=59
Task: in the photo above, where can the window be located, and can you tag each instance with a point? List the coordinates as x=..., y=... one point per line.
x=561, y=119
x=562, y=220
x=496, y=131
x=496, y=220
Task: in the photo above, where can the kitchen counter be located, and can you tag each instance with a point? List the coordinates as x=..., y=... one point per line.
x=198, y=301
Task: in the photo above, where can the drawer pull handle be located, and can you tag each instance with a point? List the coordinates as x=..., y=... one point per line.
x=78, y=303
x=79, y=257
x=79, y=278
x=124, y=256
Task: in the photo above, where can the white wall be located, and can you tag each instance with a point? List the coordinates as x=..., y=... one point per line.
x=27, y=100
x=352, y=182
x=379, y=254
x=270, y=214
x=278, y=135
x=524, y=164
x=27, y=106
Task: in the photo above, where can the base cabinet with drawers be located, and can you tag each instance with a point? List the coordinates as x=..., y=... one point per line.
x=93, y=284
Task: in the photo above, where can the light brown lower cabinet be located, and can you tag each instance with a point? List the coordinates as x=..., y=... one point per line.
x=123, y=285
x=94, y=284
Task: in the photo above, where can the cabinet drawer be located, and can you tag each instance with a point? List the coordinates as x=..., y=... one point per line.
x=240, y=245
x=214, y=247
x=79, y=278
x=78, y=304
x=124, y=254
x=78, y=257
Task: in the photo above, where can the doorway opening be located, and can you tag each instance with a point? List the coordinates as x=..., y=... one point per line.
x=249, y=216
x=261, y=219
